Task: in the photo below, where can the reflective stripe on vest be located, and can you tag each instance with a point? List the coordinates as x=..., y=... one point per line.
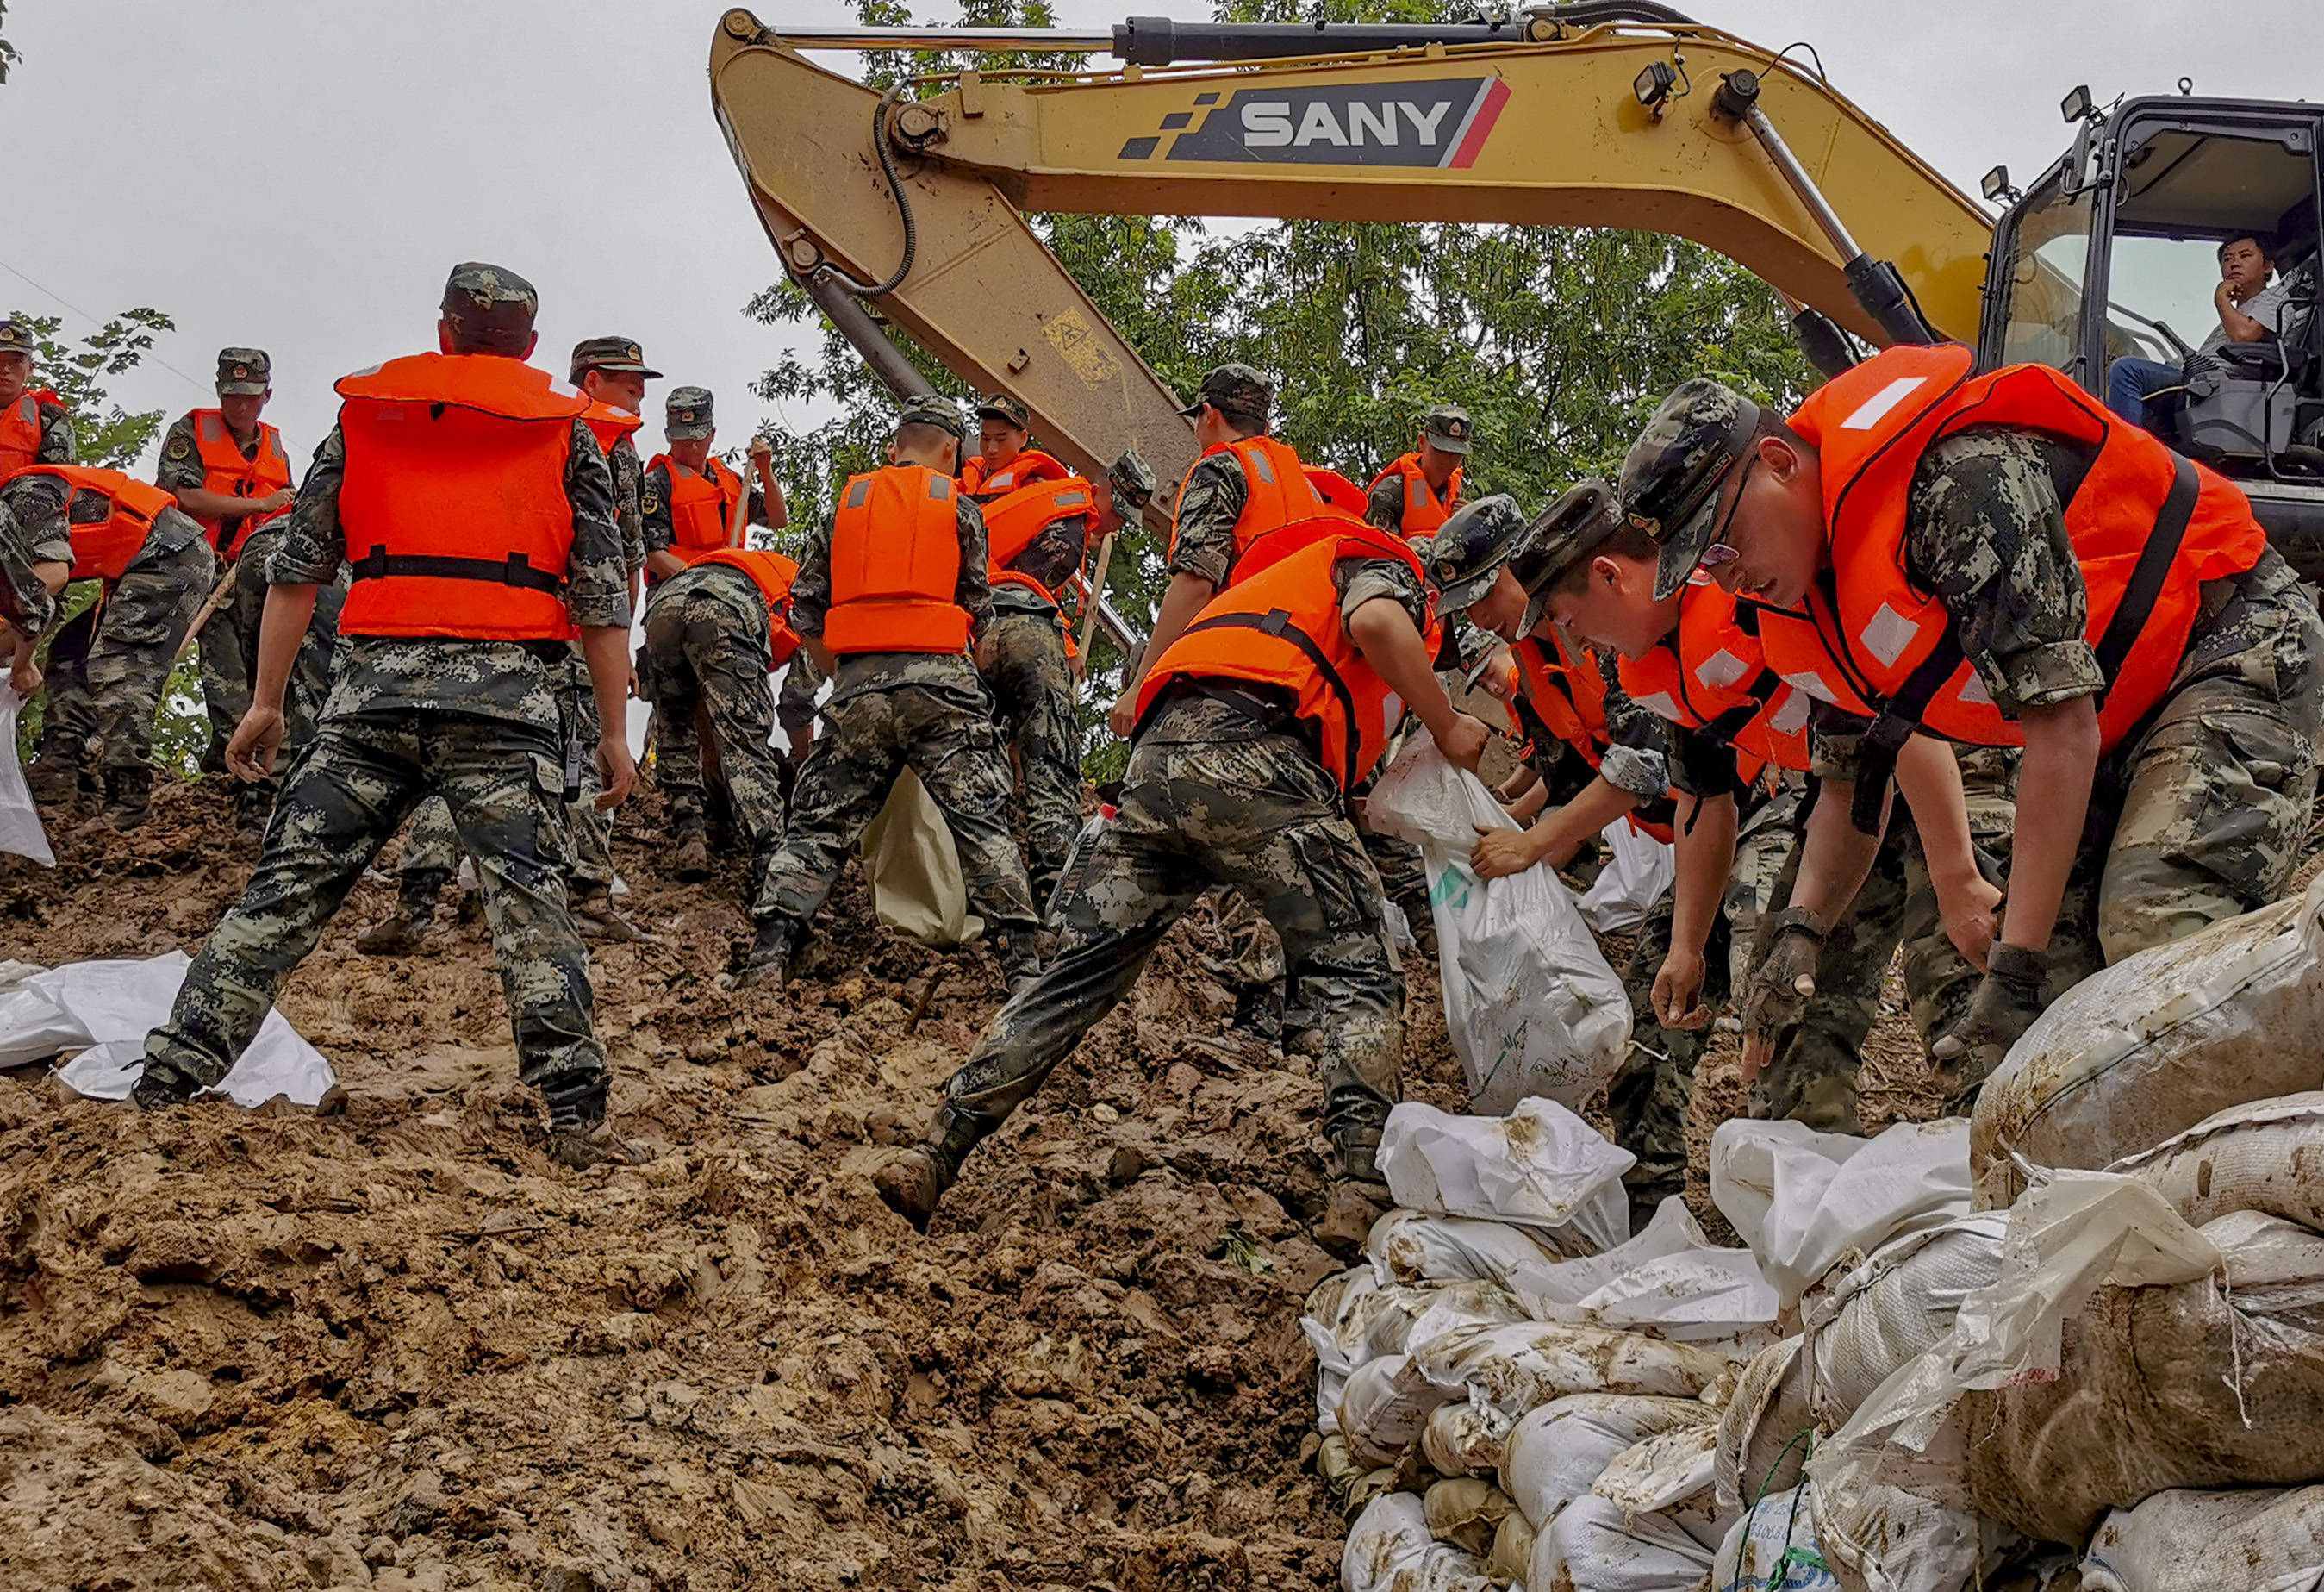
x=20, y=431
x=102, y=549
x=1280, y=626
x=1278, y=493
x=1031, y=468
x=1014, y=522
x=2148, y=528
x=430, y=440
x=1337, y=490
x=1712, y=676
x=1423, y=511
x=610, y=425
x=772, y=574
x=895, y=565
x=227, y=471
x=701, y=505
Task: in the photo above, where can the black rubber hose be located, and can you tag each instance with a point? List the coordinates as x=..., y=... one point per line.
x=903, y=209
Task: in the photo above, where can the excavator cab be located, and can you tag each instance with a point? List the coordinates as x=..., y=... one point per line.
x=2113, y=253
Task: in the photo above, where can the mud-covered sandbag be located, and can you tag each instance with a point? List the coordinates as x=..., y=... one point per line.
x=1767, y=1426
x=1465, y=1439
x=1413, y=1247
x=1326, y=1311
x=1661, y=1472
x=1512, y=1556
x=1593, y=1545
x=1555, y=1454
x=1520, y=1367
x=1773, y=1548
x=1882, y=1539
x=2155, y=1044
x=1466, y=1512
x=913, y=868
x=1802, y=1199
x=2267, y=1156
x=1389, y=1550
x=1465, y=1304
x=1894, y=1307
x=1540, y=1167
x=2249, y=1539
x=1383, y=1407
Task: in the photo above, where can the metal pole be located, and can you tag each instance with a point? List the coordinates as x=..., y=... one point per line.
x=1810, y=195
x=845, y=311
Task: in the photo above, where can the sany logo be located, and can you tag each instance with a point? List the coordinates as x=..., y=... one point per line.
x=1441, y=121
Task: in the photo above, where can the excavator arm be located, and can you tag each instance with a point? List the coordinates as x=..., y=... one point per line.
x=1657, y=125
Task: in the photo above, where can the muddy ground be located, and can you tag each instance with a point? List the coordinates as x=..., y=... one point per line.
x=397, y=1348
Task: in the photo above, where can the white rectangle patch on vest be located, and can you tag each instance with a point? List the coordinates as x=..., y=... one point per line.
x=1886, y=634
x=1874, y=409
x=1660, y=705
x=1973, y=692
x=1813, y=686
x=1791, y=715
x=1721, y=669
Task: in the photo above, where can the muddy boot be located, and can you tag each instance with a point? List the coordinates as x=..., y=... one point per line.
x=578, y=1133
x=159, y=1086
x=128, y=798
x=914, y=1183
x=53, y=782
x=1259, y=1013
x=1020, y=960
x=1422, y=922
x=769, y=960
x=1357, y=1196
x=594, y=917
x=691, y=864
x=415, y=915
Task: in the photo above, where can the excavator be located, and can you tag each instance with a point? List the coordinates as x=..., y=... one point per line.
x=907, y=208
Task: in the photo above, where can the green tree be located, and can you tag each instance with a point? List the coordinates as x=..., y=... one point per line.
x=107, y=434
x=8, y=56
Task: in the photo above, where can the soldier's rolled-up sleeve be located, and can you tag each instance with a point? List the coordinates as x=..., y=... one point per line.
x=1835, y=741
x=26, y=601
x=58, y=445
x=313, y=546
x=1986, y=533
x=181, y=469
x=596, y=579
x=1642, y=747
x=1361, y=579
x=1202, y=543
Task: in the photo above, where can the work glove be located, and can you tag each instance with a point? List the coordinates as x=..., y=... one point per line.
x=2007, y=1000
x=1777, y=995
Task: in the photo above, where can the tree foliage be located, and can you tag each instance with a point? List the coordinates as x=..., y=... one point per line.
x=108, y=435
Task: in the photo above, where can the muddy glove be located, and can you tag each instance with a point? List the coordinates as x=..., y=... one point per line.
x=2006, y=1004
x=1780, y=986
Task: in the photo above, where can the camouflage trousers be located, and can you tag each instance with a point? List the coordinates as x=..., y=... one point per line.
x=432, y=845
x=943, y=731
x=229, y=653
x=109, y=664
x=351, y=789
x=1262, y=816
x=704, y=665
x=1023, y=659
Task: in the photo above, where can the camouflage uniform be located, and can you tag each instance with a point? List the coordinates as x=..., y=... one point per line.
x=57, y=446
x=928, y=711
x=709, y=649
x=1446, y=427
x=26, y=601
x=108, y=664
x=1023, y=658
x=476, y=722
x=795, y=705
x=690, y=418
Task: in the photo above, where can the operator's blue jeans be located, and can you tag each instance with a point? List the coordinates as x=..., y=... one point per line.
x=2129, y=381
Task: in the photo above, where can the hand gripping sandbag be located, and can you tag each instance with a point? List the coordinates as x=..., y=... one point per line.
x=2157, y=1042
x=1530, y=1003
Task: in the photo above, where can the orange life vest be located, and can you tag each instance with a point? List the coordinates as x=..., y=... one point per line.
x=20, y=430
x=1279, y=493
x=1280, y=626
x=1011, y=524
x=772, y=574
x=453, y=503
x=1337, y=490
x=1423, y=511
x=228, y=472
x=1028, y=469
x=2148, y=528
x=103, y=548
x=1713, y=676
x=701, y=505
x=895, y=565
x=1568, y=694
x=610, y=425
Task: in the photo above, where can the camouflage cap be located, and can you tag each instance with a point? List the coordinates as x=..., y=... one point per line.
x=1002, y=407
x=1132, y=480
x=618, y=355
x=244, y=373
x=1449, y=427
x=1237, y=391
x=1670, y=481
x=1471, y=550
x=935, y=410
x=489, y=305
x=16, y=338
x=1567, y=530
x=687, y=415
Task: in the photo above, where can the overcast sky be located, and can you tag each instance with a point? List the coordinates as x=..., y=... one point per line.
x=299, y=174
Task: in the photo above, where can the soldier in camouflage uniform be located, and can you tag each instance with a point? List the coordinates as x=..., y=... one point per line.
x=245, y=531
x=32, y=572
x=1416, y=492
x=1227, y=784
x=890, y=709
x=475, y=721
x=690, y=427
x=2198, y=810
x=35, y=427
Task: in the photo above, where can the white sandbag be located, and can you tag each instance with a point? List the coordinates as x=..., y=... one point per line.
x=1773, y=1548
x=1767, y=1426
x=1802, y=1199
x=1413, y=1247
x=1384, y=1407
x=1389, y=1550
x=1531, y=1005
x=2249, y=1539
x=1882, y=1539
x=1541, y=1166
x=1327, y=1307
x=2155, y=1044
x=1465, y=1439
x=110, y=1006
x=1511, y=1560
x=1639, y=872
x=1464, y=1304
x=1554, y=1454
x=1896, y=1307
x=913, y=868
x=1593, y=1544
x=1671, y=1278
x=1521, y=1367
x=1466, y=1513
x=1662, y=1472
x=2267, y=1156
x=20, y=818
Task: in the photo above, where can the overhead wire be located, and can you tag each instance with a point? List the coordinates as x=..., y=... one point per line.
x=149, y=356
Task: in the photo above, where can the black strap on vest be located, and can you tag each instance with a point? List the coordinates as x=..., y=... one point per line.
x=516, y=570
x=1278, y=622
x=1901, y=715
